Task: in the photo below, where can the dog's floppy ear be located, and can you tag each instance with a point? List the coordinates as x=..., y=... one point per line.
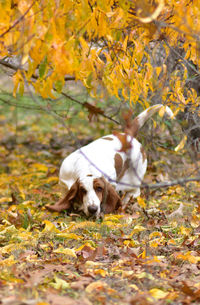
x=66, y=202
x=111, y=200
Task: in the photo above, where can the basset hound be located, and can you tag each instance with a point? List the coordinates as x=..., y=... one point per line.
x=93, y=176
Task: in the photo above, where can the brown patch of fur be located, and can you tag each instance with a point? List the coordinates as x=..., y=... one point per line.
x=134, y=128
x=110, y=200
x=66, y=202
x=125, y=167
x=131, y=126
x=143, y=154
x=118, y=164
x=108, y=138
x=99, y=187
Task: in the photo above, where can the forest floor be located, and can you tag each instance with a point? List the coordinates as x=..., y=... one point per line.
x=149, y=255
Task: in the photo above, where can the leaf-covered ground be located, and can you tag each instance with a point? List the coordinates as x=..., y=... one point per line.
x=148, y=256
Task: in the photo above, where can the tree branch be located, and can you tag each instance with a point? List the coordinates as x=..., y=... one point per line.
x=67, y=78
x=180, y=181
x=18, y=20
x=87, y=106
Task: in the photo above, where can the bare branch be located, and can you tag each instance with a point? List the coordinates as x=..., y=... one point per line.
x=180, y=181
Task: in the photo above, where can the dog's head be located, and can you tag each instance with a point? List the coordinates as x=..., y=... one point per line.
x=90, y=195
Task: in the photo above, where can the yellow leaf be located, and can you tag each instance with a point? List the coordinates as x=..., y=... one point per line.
x=52, y=179
x=8, y=261
x=66, y=251
x=28, y=202
x=84, y=44
x=162, y=111
x=91, y=264
x=50, y=227
x=158, y=70
x=25, y=59
x=131, y=243
x=60, y=284
x=87, y=245
x=154, y=243
x=137, y=229
x=141, y=202
x=189, y=257
x=111, y=224
x=143, y=254
x=40, y=167
x=158, y=293
x=155, y=234
x=124, y=45
x=185, y=231
x=144, y=275
x=114, y=218
x=101, y=272
x=171, y=242
x=69, y=236
x=5, y=199
x=181, y=144
x=134, y=287
x=17, y=78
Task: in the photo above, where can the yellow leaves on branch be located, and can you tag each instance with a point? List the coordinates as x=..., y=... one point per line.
x=18, y=80
x=96, y=42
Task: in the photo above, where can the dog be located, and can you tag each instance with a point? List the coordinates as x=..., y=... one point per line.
x=93, y=176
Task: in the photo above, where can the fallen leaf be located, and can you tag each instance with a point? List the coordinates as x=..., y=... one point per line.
x=158, y=293
x=66, y=251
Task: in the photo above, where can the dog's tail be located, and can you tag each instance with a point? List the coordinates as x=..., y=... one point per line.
x=140, y=120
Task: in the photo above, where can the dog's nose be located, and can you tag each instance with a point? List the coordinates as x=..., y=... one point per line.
x=92, y=209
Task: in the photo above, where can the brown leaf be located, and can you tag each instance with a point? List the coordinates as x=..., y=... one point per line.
x=87, y=253
x=35, y=277
x=187, y=289
x=81, y=283
x=93, y=110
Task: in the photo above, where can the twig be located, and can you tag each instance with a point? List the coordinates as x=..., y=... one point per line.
x=31, y=107
x=84, y=105
x=18, y=67
x=186, y=62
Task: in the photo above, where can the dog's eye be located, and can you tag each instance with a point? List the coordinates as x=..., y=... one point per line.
x=98, y=189
x=83, y=190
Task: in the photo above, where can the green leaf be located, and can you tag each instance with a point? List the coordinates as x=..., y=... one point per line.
x=42, y=67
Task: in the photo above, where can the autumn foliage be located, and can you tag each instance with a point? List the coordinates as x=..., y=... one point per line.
x=104, y=44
